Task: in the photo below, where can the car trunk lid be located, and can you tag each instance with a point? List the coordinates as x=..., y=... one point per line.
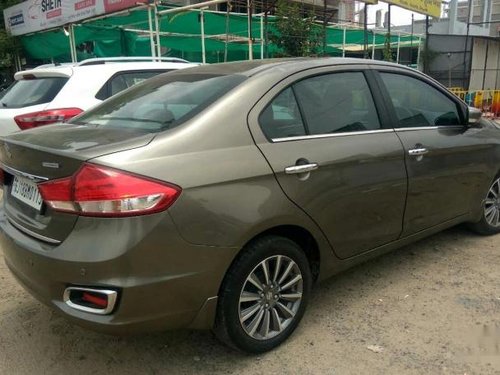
x=56, y=151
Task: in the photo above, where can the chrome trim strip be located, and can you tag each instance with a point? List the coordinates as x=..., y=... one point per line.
x=33, y=234
x=23, y=174
x=332, y=135
x=111, y=294
x=428, y=128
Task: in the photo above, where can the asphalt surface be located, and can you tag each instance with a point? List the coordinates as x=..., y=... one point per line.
x=429, y=308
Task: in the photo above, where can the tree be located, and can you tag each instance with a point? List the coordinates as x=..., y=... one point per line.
x=9, y=45
x=387, y=52
x=295, y=35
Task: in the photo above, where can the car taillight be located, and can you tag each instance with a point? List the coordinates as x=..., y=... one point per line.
x=50, y=116
x=101, y=191
x=2, y=178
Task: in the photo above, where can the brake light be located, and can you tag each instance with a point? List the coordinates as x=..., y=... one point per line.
x=50, y=116
x=100, y=191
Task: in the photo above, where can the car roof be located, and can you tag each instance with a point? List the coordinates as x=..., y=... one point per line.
x=67, y=70
x=254, y=67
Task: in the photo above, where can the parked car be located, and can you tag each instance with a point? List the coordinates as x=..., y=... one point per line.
x=217, y=196
x=53, y=93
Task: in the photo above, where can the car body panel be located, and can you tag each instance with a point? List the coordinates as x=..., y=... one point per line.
x=83, y=84
x=168, y=267
x=123, y=258
x=357, y=172
x=442, y=184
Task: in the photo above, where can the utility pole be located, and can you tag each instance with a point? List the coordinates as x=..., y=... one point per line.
x=426, y=55
x=250, y=41
x=411, y=40
x=464, y=81
x=365, y=29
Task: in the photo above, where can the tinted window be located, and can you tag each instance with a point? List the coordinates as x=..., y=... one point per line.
x=281, y=118
x=336, y=103
x=417, y=103
x=160, y=103
x=123, y=81
x=30, y=92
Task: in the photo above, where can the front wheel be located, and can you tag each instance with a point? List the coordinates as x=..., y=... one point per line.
x=264, y=295
x=490, y=220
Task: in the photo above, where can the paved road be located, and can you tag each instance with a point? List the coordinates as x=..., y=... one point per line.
x=432, y=308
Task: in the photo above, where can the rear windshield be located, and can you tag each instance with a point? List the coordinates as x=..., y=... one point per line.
x=25, y=93
x=160, y=103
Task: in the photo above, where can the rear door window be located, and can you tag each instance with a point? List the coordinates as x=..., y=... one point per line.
x=25, y=93
x=337, y=103
x=282, y=118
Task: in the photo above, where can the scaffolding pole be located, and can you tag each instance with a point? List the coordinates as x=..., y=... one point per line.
x=202, y=25
x=151, y=36
x=343, y=42
x=262, y=36
x=193, y=6
x=72, y=43
x=249, y=19
x=157, y=30
x=418, y=51
x=373, y=46
x=397, y=51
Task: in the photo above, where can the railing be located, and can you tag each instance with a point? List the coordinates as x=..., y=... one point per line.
x=488, y=101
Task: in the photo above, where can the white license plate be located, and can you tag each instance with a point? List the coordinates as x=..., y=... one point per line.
x=27, y=192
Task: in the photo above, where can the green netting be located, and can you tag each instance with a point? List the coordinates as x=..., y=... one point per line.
x=128, y=35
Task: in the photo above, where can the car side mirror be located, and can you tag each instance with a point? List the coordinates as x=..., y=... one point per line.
x=474, y=115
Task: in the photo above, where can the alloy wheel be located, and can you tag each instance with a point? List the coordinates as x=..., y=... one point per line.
x=270, y=297
x=492, y=205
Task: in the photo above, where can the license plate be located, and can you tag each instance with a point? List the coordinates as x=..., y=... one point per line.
x=27, y=192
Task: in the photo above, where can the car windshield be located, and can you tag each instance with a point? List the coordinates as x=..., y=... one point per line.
x=160, y=103
x=25, y=93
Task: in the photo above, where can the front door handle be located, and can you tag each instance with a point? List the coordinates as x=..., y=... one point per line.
x=302, y=168
x=418, y=151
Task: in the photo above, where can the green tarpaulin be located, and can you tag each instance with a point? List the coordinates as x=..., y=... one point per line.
x=128, y=35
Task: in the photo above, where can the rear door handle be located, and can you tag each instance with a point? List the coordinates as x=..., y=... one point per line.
x=303, y=168
x=418, y=151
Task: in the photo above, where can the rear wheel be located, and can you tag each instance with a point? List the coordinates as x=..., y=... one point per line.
x=490, y=220
x=264, y=295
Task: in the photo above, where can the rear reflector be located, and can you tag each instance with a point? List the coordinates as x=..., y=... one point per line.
x=95, y=301
x=51, y=116
x=101, y=191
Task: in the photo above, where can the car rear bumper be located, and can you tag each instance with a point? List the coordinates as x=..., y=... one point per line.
x=163, y=281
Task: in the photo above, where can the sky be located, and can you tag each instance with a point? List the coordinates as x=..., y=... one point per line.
x=399, y=16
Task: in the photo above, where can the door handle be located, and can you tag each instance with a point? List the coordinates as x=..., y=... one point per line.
x=418, y=151
x=303, y=168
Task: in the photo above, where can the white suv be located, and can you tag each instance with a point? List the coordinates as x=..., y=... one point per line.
x=49, y=94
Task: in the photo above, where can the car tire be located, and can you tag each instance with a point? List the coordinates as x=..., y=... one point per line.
x=255, y=312
x=490, y=218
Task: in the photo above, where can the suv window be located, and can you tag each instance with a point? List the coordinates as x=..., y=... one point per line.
x=124, y=80
x=281, y=118
x=337, y=103
x=25, y=93
x=161, y=103
x=417, y=103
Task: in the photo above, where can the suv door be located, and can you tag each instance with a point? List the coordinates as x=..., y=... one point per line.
x=333, y=156
x=446, y=161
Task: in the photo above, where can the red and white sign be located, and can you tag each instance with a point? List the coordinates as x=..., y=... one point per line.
x=37, y=15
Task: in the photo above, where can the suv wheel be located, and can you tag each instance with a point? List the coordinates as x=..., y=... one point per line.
x=264, y=295
x=490, y=220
